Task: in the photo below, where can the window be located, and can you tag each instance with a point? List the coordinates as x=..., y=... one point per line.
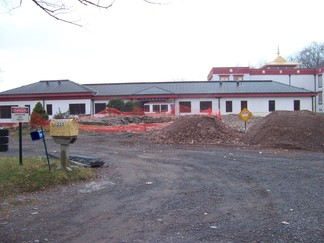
x=185, y=106
x=146, y=108
x=243, y=104
x=229, y=106
x=164, y=108
x=77, y=109
x=296, y=105
x=5, y=111
x=156, y=108
x=238, y=77
x=99, y=107
x=28, y=106
x=224, y=77
x=205, y=106
x=272, y=105
x=49, y=109
x=320, y=97
x=320, y=80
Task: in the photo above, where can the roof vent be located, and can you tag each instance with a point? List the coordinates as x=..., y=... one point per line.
x=47, y=83
x=59, y=82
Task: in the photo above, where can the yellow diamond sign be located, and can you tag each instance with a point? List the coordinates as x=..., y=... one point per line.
x=245, y=114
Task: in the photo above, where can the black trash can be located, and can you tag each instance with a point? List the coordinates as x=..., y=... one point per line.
x=4, y=140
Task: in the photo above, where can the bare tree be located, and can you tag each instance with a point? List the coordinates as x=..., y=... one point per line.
x=58, y=8
x=312, y=56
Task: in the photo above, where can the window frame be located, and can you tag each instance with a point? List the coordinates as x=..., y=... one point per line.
x=320, y=80
x=184, y=104
x=272, y=105
x=78, y=109
x=244, y=104
x=98, y=107
x=5, y=111
x=296, y=105
x=320, y=97
x=208, y=103
x=228, y=106
x=49, y=109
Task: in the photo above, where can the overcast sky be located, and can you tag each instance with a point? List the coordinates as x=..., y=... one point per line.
x=134, y=41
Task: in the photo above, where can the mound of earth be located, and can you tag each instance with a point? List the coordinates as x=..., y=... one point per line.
x=197, y=130
x=289, y=129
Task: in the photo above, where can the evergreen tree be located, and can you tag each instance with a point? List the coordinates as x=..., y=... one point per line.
x=39, y=109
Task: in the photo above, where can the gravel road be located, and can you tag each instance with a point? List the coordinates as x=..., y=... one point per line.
x=150, y=192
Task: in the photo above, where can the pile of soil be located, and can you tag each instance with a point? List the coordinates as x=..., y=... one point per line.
x=197, y=130
x=289, y=129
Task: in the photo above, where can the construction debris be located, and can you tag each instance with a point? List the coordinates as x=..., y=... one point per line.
x=197, y=130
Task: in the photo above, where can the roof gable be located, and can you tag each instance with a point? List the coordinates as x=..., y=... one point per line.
x=153, y=90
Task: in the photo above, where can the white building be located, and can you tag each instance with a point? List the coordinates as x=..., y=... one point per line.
x=180, y=98
x=278, y=70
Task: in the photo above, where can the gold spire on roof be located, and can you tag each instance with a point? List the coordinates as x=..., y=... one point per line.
x=280, y=61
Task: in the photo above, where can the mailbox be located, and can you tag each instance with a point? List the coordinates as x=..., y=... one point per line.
x=64, y=132
x=64, y=128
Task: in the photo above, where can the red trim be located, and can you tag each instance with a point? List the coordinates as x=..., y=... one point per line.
x=263, y=71
x=310, y=94
x=269, y=95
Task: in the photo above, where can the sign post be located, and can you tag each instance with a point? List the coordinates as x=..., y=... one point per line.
x=20, y=114
x=245, y=114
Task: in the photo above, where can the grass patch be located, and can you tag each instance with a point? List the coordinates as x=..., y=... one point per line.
x=34, y=175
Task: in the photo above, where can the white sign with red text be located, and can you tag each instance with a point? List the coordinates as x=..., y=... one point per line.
x=20, y=114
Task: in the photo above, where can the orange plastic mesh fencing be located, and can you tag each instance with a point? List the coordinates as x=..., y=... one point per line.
x=37, y=121
x=126, y=128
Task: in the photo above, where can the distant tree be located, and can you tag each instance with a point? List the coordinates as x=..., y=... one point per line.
x=39, y=116
x=130, y=105
x=39, y=109
x=117, y=103
x=121, y=105
x=312, y=56
x=59, y=8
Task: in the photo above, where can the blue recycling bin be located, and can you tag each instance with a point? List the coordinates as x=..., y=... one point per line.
x=36, y=135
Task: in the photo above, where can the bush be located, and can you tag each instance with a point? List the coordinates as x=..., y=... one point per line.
x=121, y=105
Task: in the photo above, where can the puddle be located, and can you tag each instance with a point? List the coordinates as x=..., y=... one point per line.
x=95, y=186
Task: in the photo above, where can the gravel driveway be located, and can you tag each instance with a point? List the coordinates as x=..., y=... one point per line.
x=173, y=193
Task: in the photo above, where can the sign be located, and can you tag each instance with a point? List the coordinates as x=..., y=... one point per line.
x=245, y=114
x=20, y=114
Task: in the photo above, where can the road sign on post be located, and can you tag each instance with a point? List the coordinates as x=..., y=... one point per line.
x=245, y=114
x=20, y=114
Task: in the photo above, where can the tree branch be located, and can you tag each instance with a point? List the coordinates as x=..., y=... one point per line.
x=53, y=9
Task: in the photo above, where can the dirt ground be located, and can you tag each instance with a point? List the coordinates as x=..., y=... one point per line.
x=169, y=192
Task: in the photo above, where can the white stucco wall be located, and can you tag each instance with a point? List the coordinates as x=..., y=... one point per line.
x=57, y=105
x=260, y=106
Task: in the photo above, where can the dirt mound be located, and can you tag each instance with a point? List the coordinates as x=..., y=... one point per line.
x=289, y=129
x=197, y=130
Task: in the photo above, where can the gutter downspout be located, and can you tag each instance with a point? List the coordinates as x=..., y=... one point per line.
x=289, y=80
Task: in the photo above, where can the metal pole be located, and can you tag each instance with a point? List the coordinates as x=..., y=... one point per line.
x=48, y=161
x=20, y=144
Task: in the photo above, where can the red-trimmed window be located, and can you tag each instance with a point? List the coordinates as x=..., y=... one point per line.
x=77, y=109
x=238, y=77
x=224, y=77
x=185, y=106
